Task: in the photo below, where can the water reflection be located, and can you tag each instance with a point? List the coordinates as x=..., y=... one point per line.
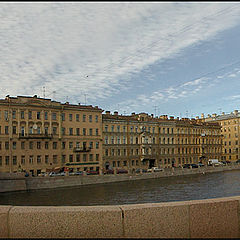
x=212, y=185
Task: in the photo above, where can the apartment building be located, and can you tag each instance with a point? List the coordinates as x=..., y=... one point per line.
x=230, y=128
x=38, y=134
x=144, y=141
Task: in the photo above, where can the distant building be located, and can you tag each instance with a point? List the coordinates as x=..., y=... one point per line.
x=144, y=141
x=230, y=128
x=37, y=134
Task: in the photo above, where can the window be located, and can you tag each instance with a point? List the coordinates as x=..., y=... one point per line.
x=14, y=145
x=54, y=145
x=30, y=145
x=22, y=145
x=90, y=157
x=46, y=159
x=63, y=145
x=63, y=158
x=97, y=132
x=14, y=160
x=14, y=114
x=84, y=118
x=77, y=117
x=29, y=114
x=55, y=159
x=46, y=145
x=90, y=118
x=70, y=117
x=90, y=131
x=0, y=160
x=38, y=115
x=84, y=157
x=39, y=159
x=106, y=140
x=6, y=115
x=63, y=130
x=106, y=128
x=14, y=130
x=84, y=131
x=38, y=130
x=54, y=130
x=63, y=116
x=97, y=157
x=30, y=159
x=22, y=114
x=6, y=160
x=124, y=128
x=30, y=130
x=78, y=158
x=46, y=115
x=70, y=131
x=97, y=145
x=6, y=145
x=118, y=128
x=91, y=145
x=96, y=118
x=46, y=130
x=54, y=116
x=38, y=145
x=6, y=130
x=70, y=145
x=78, y=131
x=124, y=163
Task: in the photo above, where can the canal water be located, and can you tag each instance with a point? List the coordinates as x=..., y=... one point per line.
x=179, y=188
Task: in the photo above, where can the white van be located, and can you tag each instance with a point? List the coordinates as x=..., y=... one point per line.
x=214, y=162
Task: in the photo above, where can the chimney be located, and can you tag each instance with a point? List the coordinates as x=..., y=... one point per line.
x=35, y=96
x=116, y=113
x=171, y=117
x=133, y=114
x=202, y=115
x=197, y=117
x=107, y=112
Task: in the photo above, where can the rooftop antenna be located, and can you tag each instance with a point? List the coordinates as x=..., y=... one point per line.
x=43, y=92
x=53, y=94
x=155, y=109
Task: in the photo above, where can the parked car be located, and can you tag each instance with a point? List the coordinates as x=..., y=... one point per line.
x=61, y=174
x=92, y=172
x=238, y=161
x=156, y=169
x=120, y=171
x=52, y=174
x=190, y=165
x=78, y=173
x=71, y=173
x=201, y=164
x=108, y=171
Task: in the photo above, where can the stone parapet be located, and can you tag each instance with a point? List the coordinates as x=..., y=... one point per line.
x=209, y=218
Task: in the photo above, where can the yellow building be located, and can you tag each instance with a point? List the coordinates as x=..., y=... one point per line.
x=143, y=141
x=230, y=128
x=38, y=134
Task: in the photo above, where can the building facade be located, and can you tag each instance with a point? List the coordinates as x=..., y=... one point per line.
x=37, y=134
x=143, y=141
x=230, y=128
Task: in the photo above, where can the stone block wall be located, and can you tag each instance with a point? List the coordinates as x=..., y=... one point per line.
x=210, y=218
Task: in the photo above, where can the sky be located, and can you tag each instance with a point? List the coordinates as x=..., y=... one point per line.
x=164, y=58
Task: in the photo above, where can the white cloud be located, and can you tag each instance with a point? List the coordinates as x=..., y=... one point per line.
x=58, y=44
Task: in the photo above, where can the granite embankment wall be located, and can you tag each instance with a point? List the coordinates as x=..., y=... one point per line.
x=19, y=182
x=211, y=218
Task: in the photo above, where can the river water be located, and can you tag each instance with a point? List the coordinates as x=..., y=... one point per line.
x=178, y=188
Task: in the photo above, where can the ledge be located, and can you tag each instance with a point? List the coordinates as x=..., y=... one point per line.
x=209, y=218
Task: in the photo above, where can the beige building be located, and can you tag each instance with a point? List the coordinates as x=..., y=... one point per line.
x=230, y=128
x=37, y=134
x=144, y=141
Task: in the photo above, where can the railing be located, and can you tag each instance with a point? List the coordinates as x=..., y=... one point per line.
x=83, y=149
x=35, y=136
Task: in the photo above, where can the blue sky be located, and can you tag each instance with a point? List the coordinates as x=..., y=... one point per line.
x=175, y=58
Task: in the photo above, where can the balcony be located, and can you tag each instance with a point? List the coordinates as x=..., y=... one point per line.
x=83, y=149
x=35, y=136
